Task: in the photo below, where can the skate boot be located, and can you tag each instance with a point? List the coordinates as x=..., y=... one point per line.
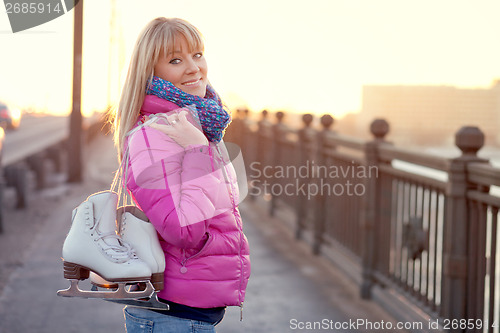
x=135, y=228
x=92, y=245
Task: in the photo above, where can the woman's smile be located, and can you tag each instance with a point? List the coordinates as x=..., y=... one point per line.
x=192, y=83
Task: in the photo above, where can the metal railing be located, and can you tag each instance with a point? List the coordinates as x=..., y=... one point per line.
x=420, y=225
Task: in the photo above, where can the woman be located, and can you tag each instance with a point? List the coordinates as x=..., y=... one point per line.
x=180, y=175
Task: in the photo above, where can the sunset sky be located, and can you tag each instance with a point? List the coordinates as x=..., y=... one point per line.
x=307, y=56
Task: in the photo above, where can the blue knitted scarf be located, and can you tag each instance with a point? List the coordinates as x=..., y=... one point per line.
x=213, y=116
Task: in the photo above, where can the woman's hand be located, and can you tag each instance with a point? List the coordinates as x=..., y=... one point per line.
x=181, y=130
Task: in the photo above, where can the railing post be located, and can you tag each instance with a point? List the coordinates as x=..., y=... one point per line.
x=279, y=131
x=57, y=155
x=15, y=175
x=237, y=131
x=263, y=149
x=233, y=130
x=2, y=188
x=36, y=163
x=306, y=142
x=264, y=142
x=324, y=145
x=456, y=226
x=246, y=138
x=247, y=141
x=371, y=212
x=2, y=179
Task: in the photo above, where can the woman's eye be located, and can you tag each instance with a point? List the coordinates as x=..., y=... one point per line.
x=175, y=61
x=198, y=55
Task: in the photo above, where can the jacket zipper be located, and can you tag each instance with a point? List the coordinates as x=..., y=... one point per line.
x=183, y=263
x=238, y=222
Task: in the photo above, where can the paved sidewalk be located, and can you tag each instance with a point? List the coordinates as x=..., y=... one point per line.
x=287, y=286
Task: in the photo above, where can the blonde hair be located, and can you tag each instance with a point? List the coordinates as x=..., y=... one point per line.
x=159, y=35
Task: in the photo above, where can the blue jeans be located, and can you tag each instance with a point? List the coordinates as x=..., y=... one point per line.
x=139, y=320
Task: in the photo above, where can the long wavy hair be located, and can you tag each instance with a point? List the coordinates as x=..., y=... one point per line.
x=159, y=35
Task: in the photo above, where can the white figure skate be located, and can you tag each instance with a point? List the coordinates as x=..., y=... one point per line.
x=92, y=245
x=135, y=229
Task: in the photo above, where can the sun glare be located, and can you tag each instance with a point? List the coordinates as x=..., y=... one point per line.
x=311, y=58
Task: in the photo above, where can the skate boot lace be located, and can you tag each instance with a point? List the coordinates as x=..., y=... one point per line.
x=115, y=248
x=111, y=244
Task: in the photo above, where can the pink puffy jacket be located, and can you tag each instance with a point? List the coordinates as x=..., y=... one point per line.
x=191, y=196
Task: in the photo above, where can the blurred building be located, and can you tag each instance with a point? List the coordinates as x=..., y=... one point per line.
x=430, y=115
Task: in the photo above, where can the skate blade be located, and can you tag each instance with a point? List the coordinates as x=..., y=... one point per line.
x=152, y=303
x=119, y=293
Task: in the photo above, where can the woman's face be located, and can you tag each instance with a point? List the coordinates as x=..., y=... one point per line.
x=185, y=70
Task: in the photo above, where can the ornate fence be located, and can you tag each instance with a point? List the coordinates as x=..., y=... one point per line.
x=429, y=237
